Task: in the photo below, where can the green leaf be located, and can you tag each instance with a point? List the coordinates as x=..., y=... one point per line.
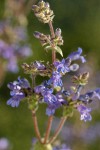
x=48, y=48
x=58, y=49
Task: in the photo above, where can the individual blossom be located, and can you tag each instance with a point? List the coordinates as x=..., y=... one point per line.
x=4, y=144
x=62, y=66
x=18, y=91
x=56, y=80
x=39, y=65
x=97, y=93
x=90, y=96
x=85, y=112
x=77, y=55
x=58, y=37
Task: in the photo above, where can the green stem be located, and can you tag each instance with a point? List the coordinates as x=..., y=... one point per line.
x=61, y=124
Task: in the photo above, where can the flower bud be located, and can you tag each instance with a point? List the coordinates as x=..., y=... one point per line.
x=35, y=8
x=85, y=75
x=58, y=32
x=47, y=5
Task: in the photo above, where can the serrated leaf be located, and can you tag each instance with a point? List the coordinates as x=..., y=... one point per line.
x=58, y=49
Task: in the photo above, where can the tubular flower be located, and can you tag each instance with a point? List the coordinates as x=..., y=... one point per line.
x=17, y=91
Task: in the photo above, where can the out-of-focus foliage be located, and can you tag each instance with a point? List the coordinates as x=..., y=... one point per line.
x=80, y=22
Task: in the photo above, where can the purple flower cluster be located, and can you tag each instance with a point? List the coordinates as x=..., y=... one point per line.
x=47, y=89
x=14, y=47
x=52, y=91
x=17, y=91
x=49, y=98
x=65, y=65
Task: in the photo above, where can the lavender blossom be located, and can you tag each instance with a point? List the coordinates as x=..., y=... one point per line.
x=77, y=55
x=55, y=80
x=15, y=47
x=63, y=66
x=17, y=91
x=85, y=113
x=4, y=144
x=39, y=65
x=89, y=96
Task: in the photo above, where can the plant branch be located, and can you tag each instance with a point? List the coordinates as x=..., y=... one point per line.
x=50, y=119
x=53, y=36
x=36, y=126
x=61, y=124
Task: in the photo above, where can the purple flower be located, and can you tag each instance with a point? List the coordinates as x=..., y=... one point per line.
x=50, y=111
x=52, y=101
x=63, y=66
x=85, y=113
x=12, y=65
x=17, y=91
x=55, y=80
x=61, y=99
x=4, y=144
x=23, y=51
x=42, y=89
x=39, y=65
x=77, y=55
x=97, y=93
x=89, y=96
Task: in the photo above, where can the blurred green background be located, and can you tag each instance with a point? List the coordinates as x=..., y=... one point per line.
x=80, y=24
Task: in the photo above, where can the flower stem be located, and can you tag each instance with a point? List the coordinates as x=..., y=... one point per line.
x=53, y=59
x=36, y=126
x=61, y=124
x=33, y=81
x=34, y=117
x=53, y=36
x=50, y=119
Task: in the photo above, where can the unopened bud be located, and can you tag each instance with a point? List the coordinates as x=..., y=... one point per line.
x=47, y=5
x=85, y=75
x=41, y=4
x=35, y=8
x=58, y=32
x=37, y=34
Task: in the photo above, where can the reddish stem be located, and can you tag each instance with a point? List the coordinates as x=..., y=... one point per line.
x=53, y=36
x=36, y=126
x=50, y=119
x=61, y=124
